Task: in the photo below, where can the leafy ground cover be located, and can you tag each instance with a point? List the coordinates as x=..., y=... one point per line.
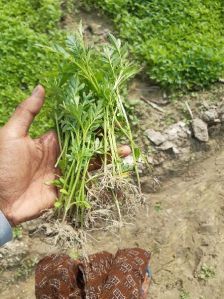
x=180, y=42
x=23, y=25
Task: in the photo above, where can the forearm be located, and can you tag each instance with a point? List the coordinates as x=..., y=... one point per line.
x=5, y=230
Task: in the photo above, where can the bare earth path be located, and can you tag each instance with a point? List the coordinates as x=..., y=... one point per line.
x=183, y=226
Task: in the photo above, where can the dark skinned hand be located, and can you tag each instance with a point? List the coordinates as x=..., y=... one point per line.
x=26, y=164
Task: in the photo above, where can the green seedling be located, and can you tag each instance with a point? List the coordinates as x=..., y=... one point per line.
x=17, y=232
x=90, y=118
x=206, y=272
x=184, y=294
x=158, y=206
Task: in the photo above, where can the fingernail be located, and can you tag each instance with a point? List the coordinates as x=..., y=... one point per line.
x=37, y=91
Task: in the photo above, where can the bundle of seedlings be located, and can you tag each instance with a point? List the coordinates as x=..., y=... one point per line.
x=91, y=123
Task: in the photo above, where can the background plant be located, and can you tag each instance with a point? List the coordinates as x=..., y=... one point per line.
x=90, y=117
x=23, y=24
x=180, y=42
x=206, y=272
x=184, y=294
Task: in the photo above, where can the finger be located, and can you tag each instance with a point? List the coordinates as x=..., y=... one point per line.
x=124, y=151
x=27, y=209
x=19, y=123
x=96, y=163
x=51, y=149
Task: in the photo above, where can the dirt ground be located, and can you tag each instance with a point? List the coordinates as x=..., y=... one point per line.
x=183, y=227
x=182, y=224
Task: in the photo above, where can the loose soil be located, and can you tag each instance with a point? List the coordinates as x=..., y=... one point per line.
x=183, y=227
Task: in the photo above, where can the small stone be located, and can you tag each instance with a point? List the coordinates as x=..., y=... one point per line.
x=129, y=161
x=176, y=150
x=156, y=137
x=200, y=129
x=210, y=116
x=177, y=131
x=167, y=145
x=150, y=160
x=172, y=133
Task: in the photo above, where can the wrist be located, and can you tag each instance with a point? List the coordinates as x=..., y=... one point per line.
x=6, y=211
x=5, y=230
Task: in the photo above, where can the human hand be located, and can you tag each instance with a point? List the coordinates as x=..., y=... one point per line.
x=26, y=164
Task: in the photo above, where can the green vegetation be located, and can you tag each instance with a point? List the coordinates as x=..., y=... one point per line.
x=158, y=206
x=184, y=294
x=180, y=42
x=90, y=117
x=85, y=83
x=17, y=232
x=23, y=25
x=206, y=272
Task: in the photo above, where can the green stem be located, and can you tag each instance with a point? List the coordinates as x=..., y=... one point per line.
x=130, y=139
x=58, y=131
x=73, y=190
x=62, y=155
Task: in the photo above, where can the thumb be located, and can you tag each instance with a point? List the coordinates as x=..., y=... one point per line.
x=19, y=123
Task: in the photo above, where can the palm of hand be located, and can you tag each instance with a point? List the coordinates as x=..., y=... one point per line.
x=26, y=166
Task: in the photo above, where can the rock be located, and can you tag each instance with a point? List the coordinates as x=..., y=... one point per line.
x=169, y=146
x=211, y=116
x=166, y=146
x=129, y=164
x=129, y=161
x=174, y=138
x=156, y=137
x=176, y=150
x=172, y=133
x=176, y=131
x=215, y=130
x=150, y=160
x=221, y=112
x=200, y=129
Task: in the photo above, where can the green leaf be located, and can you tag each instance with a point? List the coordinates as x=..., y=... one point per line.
x=137, y=153
x=58, y=204
x=63, y=191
